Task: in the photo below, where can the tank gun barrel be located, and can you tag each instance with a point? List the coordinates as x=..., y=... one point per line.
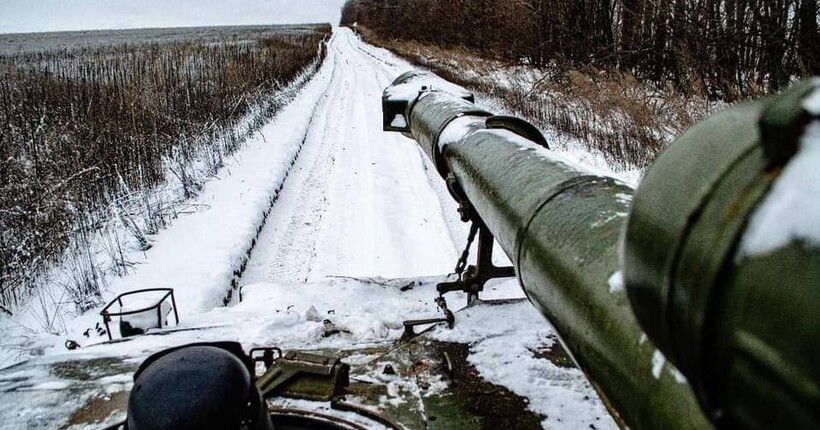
x=640, y=285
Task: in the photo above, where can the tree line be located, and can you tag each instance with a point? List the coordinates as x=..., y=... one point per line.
x=726, y=49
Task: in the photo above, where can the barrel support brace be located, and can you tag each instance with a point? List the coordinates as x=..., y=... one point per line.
x=472, y=280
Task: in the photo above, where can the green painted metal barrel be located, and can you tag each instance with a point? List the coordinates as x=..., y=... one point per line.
x=722, y=260
x=691, y=294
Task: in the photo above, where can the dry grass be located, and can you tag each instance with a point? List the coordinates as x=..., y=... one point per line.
x=611, y=113
x=88, y=134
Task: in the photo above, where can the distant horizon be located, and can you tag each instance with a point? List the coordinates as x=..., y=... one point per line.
x=52, y=16
x=296, y=24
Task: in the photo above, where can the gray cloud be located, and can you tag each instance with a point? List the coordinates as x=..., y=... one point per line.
x=63, y=15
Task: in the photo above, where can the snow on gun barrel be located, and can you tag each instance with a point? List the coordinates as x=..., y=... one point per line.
x=405, y=89
x=724, y=318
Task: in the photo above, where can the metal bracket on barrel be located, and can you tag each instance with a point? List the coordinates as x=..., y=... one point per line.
x=472, y=278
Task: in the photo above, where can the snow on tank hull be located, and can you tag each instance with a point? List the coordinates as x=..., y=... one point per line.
x=427, y=382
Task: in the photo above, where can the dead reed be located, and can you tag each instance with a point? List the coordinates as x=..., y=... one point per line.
x=88, y=133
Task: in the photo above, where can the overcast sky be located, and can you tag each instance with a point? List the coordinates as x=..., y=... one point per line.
x=18, y=16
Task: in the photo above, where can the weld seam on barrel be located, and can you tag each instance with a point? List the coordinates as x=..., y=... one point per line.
x=680, y=245
x=560, y=189
x=439, y=161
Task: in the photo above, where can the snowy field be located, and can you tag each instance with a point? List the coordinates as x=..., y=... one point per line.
x=25, y=43
x=341, y=221
x=28, y=16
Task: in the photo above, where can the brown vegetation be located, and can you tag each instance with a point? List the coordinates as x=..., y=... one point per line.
x=724, y=48
x=621, y=76
x=612, y=114
x=85, y=131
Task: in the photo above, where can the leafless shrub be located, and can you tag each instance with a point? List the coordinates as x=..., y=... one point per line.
x=49, y=318
x=112, y=245
x=83, y=280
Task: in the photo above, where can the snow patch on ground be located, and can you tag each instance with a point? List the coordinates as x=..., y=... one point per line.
x=786, y=215
x=503, y=341
x=364, y=311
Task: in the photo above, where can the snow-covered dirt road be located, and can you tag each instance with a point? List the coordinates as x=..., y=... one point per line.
x=359, y=202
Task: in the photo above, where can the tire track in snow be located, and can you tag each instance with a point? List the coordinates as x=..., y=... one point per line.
x=385, y=71
x=292, y=227
x=237, y=275
x=358, y=202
